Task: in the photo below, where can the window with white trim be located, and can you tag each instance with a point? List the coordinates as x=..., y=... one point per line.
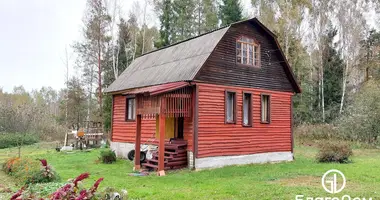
x=130, y=109
x=247, y=51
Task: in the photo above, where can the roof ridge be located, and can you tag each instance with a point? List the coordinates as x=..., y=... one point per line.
x=182, y=41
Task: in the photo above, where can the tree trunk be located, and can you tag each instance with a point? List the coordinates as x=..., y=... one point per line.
x=19, y=151
x=345, y=72
x=322, y=92
x=144, y=27
x=99, y=79
x=89, y=103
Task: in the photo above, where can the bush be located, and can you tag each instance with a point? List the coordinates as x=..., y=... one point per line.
x=107, y=156
x=334, y=152
x=315, y=132
x=28, y=171
x=21, y=168
x=46, y=174
x=361, y=119
x=8, y=140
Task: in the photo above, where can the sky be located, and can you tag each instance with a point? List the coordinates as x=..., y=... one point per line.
x=33, y=38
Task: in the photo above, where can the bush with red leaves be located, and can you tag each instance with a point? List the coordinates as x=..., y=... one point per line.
x=70, y=191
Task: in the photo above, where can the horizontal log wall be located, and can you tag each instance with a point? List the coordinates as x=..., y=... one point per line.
x=215, y=138
x=123, y=131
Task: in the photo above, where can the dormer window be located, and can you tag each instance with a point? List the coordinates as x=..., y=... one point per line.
x=247, y=51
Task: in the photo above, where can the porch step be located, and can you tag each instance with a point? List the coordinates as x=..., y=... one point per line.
x=170, y=164
x=176, y=152
x=155, y=161
x=175, y=156
x=150, y=165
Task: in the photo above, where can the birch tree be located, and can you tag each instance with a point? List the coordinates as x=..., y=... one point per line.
x=351, y=21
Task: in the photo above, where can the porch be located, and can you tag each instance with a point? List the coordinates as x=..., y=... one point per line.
x=170, y=105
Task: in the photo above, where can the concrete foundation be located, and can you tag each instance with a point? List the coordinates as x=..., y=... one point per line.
x=122, y=148
x=221, y=161
x=190, y=160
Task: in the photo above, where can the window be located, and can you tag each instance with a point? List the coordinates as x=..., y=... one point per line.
x=130, y=109
x=230, y=106
x=247, y=109
x=247, y=52
x=265, y=108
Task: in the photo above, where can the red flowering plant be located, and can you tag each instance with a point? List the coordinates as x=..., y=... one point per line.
x=70, y=191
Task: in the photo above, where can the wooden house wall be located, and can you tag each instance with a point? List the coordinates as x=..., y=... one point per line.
x=215, y=138
x=221, y=67
x=125, y=131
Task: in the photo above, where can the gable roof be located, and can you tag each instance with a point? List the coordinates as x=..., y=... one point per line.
x=180, y=62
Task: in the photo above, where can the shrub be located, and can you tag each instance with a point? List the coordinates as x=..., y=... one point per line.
x=29, y=170
x=46, y=174
x=334, y=152
x=108, y=156
x=21, y=168
x=315, y=132
x=361, y=119
x=8, y=140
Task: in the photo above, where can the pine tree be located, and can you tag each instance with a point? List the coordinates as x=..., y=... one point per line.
x=206, y=13
x=184, y=25
x=230, y=11
x=165, y=13
x=333, y=67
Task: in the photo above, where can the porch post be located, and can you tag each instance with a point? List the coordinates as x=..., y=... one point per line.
x=138, y=142
x=161, y=150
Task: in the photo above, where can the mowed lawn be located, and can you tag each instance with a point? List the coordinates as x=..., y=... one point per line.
x=258, y=181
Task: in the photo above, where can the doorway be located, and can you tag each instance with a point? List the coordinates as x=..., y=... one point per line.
x=179, y=126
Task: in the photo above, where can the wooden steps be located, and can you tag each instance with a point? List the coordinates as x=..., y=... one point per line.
x=175, y=156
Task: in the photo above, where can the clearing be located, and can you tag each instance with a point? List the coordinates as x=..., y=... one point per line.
x=259, y=181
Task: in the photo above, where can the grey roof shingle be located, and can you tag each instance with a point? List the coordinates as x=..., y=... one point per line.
x=178, y=62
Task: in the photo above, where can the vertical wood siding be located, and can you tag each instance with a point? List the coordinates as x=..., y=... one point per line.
x=123, y=131
x=215, y=138
x=221, y=67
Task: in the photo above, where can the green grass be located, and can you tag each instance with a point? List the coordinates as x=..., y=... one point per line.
x=259, y=181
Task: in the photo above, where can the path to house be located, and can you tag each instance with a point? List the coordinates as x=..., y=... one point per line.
x=263, y=181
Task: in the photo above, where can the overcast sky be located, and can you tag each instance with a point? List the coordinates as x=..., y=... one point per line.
x=33, y=37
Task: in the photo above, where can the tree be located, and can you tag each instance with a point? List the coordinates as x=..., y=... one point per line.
x=206, y=13
x=333, y=67
x=230, y=11
x=371, y=51
x=183, y=25
x=76, y=102
x=90, y=51
x=163, y=9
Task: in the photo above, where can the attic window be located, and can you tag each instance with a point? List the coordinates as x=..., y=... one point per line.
x=247, y=51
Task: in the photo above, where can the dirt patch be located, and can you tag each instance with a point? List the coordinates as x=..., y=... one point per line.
x=315, y=181
x=308, y=181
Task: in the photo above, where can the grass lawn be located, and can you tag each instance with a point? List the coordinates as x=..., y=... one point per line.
x=260, y=181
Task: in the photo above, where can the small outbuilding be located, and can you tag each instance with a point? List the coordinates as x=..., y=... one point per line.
x=221, y=98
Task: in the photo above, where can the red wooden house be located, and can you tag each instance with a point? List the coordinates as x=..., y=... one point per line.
x=224, y=96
